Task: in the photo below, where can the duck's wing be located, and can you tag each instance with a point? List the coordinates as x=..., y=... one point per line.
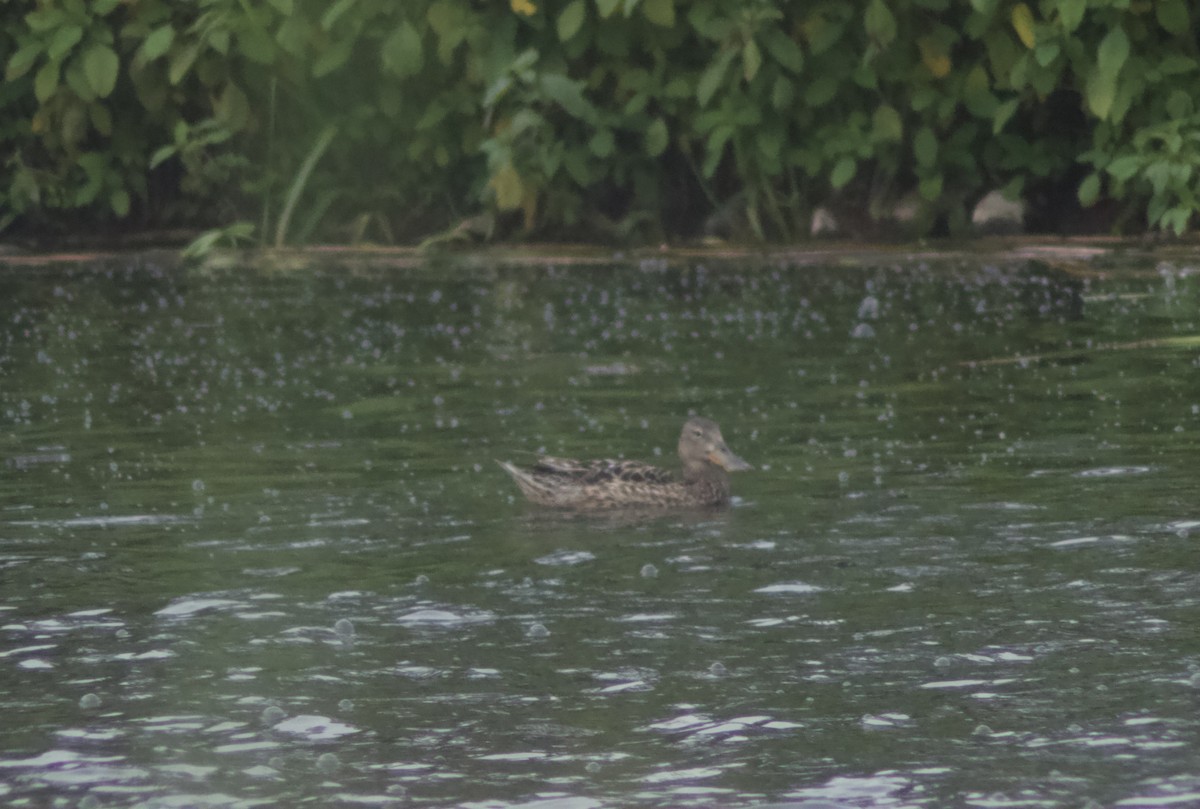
x=603, y=471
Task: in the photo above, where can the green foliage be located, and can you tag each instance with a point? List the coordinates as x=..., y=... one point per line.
x=631, y=117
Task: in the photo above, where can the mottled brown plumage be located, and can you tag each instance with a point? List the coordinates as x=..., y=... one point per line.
x=567, y=483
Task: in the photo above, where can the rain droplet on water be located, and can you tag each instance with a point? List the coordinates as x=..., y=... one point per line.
x=718, y=669
x=89, y=701
x=345, y=706
x=868, y=309
x=273, y=714
x=328, y=762
x=344, y=628
x=649, y=571
x=537, y=631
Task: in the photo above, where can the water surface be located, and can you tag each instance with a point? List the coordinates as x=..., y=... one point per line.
x=254, y=549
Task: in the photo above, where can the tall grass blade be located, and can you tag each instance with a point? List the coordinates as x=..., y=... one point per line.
x=300, y=180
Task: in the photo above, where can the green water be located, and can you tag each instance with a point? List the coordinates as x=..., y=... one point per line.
x=255, y=550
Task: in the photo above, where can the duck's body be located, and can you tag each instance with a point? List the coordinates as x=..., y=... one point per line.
x=602, y=484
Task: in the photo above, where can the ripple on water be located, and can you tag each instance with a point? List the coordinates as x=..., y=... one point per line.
x=1113, y=471
x=84, y=619
x=557, y=802
x=315, y=728
x=1178, y=791
x=448, y=619
x=108, y=521
x=190, y=605
x=566, y=558
x=66, y=768
x=702, y=726
x=1095, y=540
x=856, y=791
x=790, y=588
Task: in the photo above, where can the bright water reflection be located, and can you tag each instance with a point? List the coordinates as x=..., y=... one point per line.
x=255, y=550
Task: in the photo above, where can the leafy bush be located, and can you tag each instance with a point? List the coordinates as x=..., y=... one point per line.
x=631, y=119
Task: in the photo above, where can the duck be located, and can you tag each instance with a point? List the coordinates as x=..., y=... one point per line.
x=613, y=484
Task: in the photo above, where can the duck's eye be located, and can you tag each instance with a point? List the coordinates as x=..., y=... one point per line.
x=698, y=433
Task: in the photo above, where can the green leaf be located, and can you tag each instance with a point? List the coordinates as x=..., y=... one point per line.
x=63, y=40
x=568, y=94
x=1070, y=13
x=930, y=188
x=880, y=22
x=74, y=77
x=925, y=147
x=769, y=141
x=1179, y=104
x=843, y=172
x=46, y=82
x=44, y=18
x=443, y=17
x=607, y=7
x=101, y=119
x=751, y=60
x=713, y=77
x=335, y=12
x=714, y=149
x=886, y=123
x=1100, y=90
x=401, y=52
x=571, y=20
x=232, y=108
x=821, y=91
x=1022, y=22
x=1175, y=63
x=119, y=201
x=602, y=144
x=333, y=58
x=1177, y=219
x=1113, y=51
x=659, y=12
x=161, y=154
x=525, y=120
x=657, y=137
x=1173, y=16
x=783, y=49
x=1046, y=53
x=256, y=45
x=1089, y=190
x=20, y=62
x=1123, y=168
x=1003, y=113
x=159, y=42
x=782, y=93
x=182, y=61
x=977, y=93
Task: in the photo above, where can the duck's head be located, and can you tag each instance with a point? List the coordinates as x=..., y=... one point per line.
x=701, y=444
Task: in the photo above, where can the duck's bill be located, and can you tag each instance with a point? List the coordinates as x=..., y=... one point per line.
x=725, y=459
